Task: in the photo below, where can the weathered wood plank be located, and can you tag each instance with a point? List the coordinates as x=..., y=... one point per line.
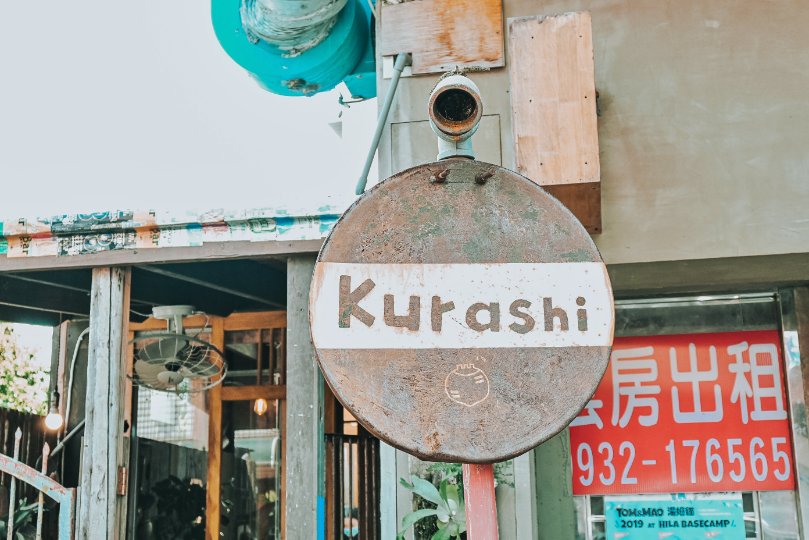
x=442, y=34
x=304, y=443
x=120, y=397
x=553, y=102
x=255, y=320
x=207, y=252
x=248, y=320
x=212, y=513
x=249, y=393
x=100, y=508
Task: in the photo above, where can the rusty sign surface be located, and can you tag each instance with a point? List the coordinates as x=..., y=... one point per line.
x=461, y=313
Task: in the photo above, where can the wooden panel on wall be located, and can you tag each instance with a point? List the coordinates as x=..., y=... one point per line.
x=553, y=105
x=442, y=34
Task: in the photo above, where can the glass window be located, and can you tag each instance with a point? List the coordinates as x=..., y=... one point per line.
x=766, y=514
x=249, y=363
x=251, y=472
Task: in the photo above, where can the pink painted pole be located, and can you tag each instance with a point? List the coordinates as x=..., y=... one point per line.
x=481, y=507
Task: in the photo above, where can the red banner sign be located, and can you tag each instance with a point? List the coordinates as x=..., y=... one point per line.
x=701, y=412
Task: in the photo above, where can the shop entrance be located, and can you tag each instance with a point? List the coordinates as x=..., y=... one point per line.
x=211, y=464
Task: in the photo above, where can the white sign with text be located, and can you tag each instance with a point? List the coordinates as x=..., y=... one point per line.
x=448, y=306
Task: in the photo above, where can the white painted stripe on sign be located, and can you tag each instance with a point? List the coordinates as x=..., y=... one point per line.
x=461, y=305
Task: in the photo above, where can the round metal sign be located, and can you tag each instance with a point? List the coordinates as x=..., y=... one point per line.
x=461, y=313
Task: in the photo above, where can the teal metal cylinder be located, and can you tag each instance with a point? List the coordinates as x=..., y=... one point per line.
x=316, y=70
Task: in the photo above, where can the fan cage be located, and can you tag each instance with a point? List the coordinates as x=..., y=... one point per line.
x=212, y=356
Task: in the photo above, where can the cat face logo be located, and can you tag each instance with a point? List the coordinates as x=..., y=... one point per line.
x=467, y=385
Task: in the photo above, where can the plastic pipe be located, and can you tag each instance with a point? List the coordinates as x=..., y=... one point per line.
x=398, y=66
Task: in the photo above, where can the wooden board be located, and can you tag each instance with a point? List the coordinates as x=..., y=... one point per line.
x=553, y=104
x=101, y=510
x=248, y=393
x=442, y=34
x=214, y=489
x=234, y=322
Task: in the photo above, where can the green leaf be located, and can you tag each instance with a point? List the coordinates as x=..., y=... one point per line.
x=459, y=518
x=442, y=489
x=427, y=491
x=410, y=519
x=441, y=534
x=452, y=494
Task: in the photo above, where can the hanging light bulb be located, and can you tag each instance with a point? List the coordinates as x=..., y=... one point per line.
x=260, y=406
x=54, y=420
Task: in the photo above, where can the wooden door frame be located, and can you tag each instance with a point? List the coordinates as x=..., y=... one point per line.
x=238, y=393
x=264, y=320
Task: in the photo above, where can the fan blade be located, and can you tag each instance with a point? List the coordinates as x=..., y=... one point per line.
x=147, y=372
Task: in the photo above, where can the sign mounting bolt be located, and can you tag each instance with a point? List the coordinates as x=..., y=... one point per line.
x=440, y=178
x=482, y=178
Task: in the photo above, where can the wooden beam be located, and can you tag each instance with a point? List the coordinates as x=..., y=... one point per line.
x=249, y=393
x=254, y=320
x=206, y=252
x=553, y=103
x=213, y=493
x=101, y=509
x=305, y=443
x=248, y=320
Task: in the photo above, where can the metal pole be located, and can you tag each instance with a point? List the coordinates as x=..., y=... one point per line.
x=398, y=66
x=479, y=501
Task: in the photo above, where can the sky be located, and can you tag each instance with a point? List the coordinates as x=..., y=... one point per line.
x=134, y=105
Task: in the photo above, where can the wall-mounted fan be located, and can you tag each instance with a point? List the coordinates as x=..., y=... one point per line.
x=173, y=361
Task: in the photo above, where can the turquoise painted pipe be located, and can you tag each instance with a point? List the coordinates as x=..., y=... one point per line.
x=316, y=70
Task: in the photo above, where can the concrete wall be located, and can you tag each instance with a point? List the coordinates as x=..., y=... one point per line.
x=703, y=133
x=703, y=128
